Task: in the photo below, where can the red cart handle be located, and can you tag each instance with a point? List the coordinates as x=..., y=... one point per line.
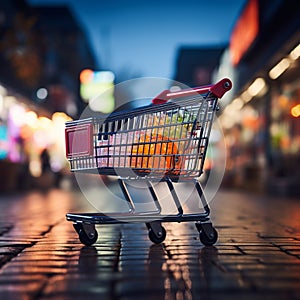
x=218, y=90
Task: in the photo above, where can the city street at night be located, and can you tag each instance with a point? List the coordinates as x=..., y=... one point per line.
x=257, y=255
x=149, y=150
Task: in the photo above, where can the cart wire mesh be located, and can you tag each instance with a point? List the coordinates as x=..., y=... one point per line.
x=168, y=139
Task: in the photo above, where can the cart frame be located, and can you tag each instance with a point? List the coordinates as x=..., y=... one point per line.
x=85, y=157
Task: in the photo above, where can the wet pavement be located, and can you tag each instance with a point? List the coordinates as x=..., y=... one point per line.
x=257, y=255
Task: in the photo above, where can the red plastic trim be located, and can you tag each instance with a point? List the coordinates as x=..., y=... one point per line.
x=79, y=141
x=218, y=90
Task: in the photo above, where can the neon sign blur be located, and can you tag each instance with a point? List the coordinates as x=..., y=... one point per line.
x=97, y=89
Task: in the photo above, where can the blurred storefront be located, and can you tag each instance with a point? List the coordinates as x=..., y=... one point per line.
x=27, y=131
x=42, y=51
x=262, y=117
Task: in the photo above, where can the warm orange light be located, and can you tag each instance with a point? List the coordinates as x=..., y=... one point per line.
x=295, y=111
x=86, y=76
x=244, y=32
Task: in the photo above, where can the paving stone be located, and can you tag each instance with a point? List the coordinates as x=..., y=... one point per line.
x=14, y=243
x=30, y=288
x=10, y=250
x=256, y=257
x=35, y=269
x=15, y=294
x=4, y=258
x=21, y=278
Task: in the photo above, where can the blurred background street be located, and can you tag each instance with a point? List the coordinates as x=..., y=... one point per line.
x=57, y=56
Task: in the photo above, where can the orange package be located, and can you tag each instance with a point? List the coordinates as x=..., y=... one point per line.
x=155, y=152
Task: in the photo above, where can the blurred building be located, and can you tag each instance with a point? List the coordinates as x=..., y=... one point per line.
x=195, y=65
x=42, y=51
x=65, y=52
x=262, y=115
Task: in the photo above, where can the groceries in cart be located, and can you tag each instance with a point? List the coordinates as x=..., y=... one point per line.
x=157, y=146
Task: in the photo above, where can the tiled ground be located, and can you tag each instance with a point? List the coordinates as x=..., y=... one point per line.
x=257, y=255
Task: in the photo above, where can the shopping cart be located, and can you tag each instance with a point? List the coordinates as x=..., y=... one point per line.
x=165, y=141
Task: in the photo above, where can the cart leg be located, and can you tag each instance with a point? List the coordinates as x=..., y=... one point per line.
x=156, y=232
x=154, y=196
x=202, y=197
x=175, y=197
x=126, y=195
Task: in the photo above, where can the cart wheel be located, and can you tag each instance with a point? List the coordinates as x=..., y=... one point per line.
x=208, y=240
x=155, y=239
x=88, y=235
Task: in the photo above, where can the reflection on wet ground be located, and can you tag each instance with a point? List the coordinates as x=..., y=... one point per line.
x=257, y=255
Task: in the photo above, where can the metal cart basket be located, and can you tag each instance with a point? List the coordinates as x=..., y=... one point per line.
x=163, y=142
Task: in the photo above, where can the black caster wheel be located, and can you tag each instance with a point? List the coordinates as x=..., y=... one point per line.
x=157, y=239
x=208, y=240
x=87, y=234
